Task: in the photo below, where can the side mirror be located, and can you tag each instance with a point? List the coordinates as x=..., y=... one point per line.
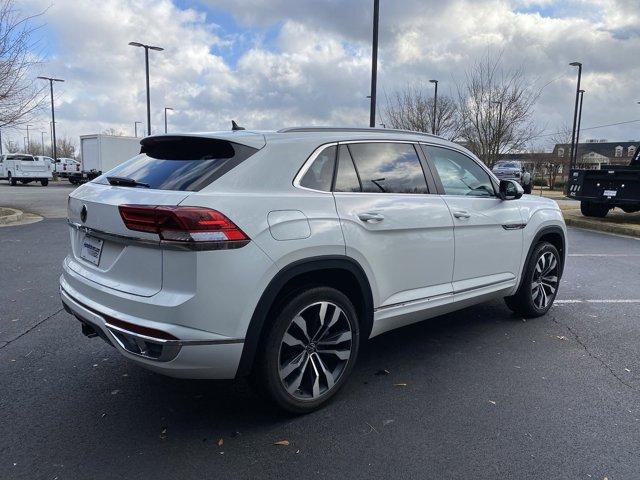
x=510, y=190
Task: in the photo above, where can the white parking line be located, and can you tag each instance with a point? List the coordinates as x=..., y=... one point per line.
x=604, y=255
x=613, y=300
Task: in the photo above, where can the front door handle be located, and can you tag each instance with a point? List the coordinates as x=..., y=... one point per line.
x=371, y=217
x=461, y=214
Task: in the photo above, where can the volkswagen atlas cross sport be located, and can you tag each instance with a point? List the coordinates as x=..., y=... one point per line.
x=276, y=254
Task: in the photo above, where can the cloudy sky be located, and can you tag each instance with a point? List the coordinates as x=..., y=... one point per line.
x=274, y=63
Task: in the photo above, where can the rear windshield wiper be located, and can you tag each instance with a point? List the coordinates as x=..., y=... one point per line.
x=126, y=182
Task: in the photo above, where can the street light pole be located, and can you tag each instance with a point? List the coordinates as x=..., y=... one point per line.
x=575, y=114
x=374, y=64
x=28, y=139
x=165, y=117
x=53, y=115
x=499, y=128
x=135, y=128
x=146, y=65
x=435, y=105
x=581, y=92
x=42, y=134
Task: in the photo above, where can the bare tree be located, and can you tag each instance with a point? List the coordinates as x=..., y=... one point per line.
x=20, y=96
x=11, y=146
x=113, y=132
x=496, y=108
x=65, y=147
x=411, y=108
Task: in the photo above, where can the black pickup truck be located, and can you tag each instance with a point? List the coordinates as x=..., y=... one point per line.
x=602, y=190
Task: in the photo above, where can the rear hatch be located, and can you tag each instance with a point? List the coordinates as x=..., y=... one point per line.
x=167, y=171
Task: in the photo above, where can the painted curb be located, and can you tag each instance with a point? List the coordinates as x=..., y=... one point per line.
x=10, y=215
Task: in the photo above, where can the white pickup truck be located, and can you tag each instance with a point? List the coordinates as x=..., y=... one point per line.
x=24, y=168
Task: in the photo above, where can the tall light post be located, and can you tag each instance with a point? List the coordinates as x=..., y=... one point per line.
x=575, y=114
x=28, y=139
x=146, y=65
x=435, y=105
x=499, y=128
x=42, y=134
x=135, y=128
x=581, y=92
x=53, y=115
x=374, y=64
x=165, y=117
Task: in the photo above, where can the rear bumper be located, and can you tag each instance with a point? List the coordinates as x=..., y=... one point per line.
x=187, y=355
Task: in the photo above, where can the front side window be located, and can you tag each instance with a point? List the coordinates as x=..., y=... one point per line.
x=320, y=174
x=388, y=167
x=459, y=174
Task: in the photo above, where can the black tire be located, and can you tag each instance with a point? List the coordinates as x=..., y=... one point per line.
x=270, y=363
x=591, y=209
x=44, y=182
x=525, y=301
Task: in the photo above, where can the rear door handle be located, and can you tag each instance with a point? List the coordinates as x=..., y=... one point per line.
x=461, y=214
x=371, y=217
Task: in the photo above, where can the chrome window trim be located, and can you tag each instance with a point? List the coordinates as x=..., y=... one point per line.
x=307, y=164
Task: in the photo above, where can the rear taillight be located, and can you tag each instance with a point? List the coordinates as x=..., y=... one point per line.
x=184, y=224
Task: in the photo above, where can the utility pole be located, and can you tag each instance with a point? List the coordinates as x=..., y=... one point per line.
x=53, y=115
x=435, y=106
x=374, y=64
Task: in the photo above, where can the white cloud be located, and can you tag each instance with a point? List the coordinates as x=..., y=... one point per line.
x=317, y=68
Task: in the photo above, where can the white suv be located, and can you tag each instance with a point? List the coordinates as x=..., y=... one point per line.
x=276, y=253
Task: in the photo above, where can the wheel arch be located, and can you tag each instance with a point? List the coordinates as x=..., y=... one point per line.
x=554, y=234
x=306, y=271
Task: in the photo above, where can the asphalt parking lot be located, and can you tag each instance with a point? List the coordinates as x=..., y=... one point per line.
x=477, y=394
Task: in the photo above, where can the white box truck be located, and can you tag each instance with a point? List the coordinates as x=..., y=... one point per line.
x=100, y=153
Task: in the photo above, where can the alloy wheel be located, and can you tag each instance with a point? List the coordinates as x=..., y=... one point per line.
x=315, y=350
x=545, y=280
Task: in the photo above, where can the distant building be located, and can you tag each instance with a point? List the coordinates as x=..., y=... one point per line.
x=593, y=153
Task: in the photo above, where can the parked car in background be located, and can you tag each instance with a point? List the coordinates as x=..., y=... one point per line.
x=513, y=170
x=66, y=167
x=25, y=168
x=276, y=254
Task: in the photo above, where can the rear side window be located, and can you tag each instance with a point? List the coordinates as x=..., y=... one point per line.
x=180, y=163
x=388, y=168
x=320, y=174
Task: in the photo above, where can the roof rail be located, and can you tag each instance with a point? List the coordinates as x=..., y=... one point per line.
x=352, y=129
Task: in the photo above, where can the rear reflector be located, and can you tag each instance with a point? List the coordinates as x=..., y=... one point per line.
x=184, y=224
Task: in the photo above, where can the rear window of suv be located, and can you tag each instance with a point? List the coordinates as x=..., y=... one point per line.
x=180, y=163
